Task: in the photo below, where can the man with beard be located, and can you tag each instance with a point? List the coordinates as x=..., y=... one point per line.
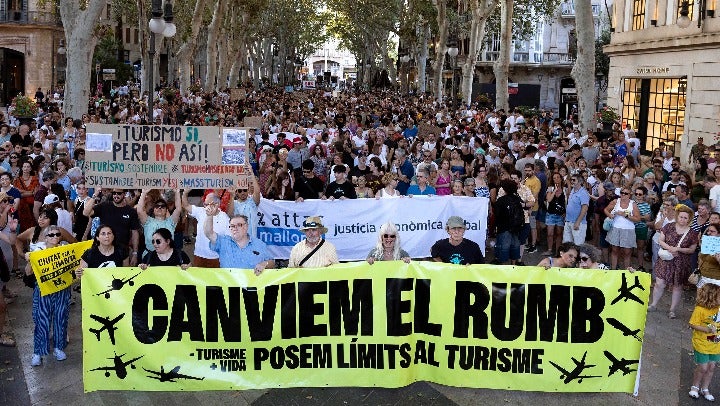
x=122, y=218
x=313, y=251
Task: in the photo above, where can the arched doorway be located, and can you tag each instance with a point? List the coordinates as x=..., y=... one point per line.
x=12, y=75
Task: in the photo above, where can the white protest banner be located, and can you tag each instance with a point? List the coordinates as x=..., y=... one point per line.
x=353, y=225
x=710, y=245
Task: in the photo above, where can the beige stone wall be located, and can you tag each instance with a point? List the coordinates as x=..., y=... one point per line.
x=693, y=52
x=39, y=45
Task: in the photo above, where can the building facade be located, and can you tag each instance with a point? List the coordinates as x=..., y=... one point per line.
x=29, y=41
x=541, y=65
x=665, y=71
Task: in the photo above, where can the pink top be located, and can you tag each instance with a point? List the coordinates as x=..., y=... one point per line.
x=443, y=190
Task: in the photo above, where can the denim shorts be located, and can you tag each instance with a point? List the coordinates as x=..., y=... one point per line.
x=507, y=246
x=554, y=220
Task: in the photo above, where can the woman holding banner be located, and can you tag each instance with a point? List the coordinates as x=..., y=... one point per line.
x=164, y=253
x=52, y=308
x=103, y=253
x=160, y=217
x=709, y=264
x=388, y=246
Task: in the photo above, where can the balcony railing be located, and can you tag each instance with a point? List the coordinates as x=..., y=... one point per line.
x=567, y=9
x=30, y=17
x=560, y=58
x=522, y=57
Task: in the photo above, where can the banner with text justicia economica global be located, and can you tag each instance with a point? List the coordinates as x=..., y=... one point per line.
x=388, y=324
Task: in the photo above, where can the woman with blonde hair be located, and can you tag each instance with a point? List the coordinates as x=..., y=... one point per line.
x=678, y=242
x=388, y=246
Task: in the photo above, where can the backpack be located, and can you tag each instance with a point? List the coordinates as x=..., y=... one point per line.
x=516, y=213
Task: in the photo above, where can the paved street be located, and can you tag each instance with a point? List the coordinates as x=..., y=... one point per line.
x=666, y=372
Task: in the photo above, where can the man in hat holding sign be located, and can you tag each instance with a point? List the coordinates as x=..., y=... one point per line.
x=313, y=251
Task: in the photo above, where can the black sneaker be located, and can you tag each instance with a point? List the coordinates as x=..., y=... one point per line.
x=532, y=248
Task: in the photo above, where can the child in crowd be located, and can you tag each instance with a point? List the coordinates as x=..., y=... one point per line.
x=705, y=339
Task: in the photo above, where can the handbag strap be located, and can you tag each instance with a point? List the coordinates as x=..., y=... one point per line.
x=682, y=238
x=317, y=247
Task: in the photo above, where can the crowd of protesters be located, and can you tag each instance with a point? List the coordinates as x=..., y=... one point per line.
x=573, y=188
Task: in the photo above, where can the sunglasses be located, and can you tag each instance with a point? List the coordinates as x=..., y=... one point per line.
x=157, y=242
x=584, y=259
x=53, y=235
x=118, y=193
x=391, y=236
x=639, y=194
x=624, y=193
x=242, y=190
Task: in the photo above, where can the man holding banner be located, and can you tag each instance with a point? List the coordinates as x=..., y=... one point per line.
x=456, y=249
x=314, y=251
x=238, y=250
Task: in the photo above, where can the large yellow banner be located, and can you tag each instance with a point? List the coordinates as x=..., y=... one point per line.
x=387, y=324
x=53, y=266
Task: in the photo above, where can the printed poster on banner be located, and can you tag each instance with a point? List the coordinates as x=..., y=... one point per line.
x=165, y=157
x=387, y=325
x=353, y=224
x=53, y=267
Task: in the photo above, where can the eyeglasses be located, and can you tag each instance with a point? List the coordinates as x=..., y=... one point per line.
x=390, y=236
x=118, y=193
x=584, y=259
x=625, y=193
x=51, y=235
x=237, y=225
x=13, y=156
x=157, y=242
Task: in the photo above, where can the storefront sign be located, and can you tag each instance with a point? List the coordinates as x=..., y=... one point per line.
x=650, y=70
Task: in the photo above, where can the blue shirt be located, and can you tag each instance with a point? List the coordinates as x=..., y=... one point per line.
x=233, y=256
x=408, y=170
x=576, y=200
x=415, y=190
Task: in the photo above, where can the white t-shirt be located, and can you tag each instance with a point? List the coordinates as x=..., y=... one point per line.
x=221, y=225
x=715, y=197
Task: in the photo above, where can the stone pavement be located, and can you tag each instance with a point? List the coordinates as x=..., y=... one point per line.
x=666, y=371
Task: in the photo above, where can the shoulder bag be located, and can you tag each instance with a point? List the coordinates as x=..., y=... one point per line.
x=666, y=255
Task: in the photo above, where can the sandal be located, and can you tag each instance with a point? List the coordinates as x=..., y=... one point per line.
x=694, y=392
x=707, y=395
x=6, y=341
x=672, y=315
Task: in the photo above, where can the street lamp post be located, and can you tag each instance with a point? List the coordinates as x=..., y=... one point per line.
x=167, y=28
x=453, y=53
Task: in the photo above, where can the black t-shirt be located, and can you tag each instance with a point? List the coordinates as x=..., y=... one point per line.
x=308, y=188
x=356, y=171
x=95, y=259
x=338, y=190
x=177, y=258
x=467, y=252
x=121, y=219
